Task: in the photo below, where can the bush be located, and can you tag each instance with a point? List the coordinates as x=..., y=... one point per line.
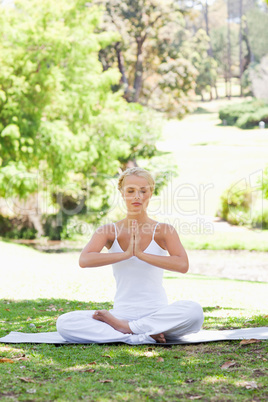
x=54, y=226
x=260, y=219
x=235, y=205
x=241, y=206
x=247, y=114
x=17, y=228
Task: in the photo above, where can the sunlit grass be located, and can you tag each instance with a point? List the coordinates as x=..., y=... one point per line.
x=126, y=373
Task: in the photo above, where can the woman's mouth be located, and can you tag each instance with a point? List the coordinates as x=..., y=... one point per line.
x=136, y=203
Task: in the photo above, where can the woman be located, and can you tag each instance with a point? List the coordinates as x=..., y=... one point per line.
x=139, y=250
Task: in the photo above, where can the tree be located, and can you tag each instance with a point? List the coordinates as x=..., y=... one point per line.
x=204, y=63
x=62, y=129
x=257, y=21
x=224, y=50
x=151, y=53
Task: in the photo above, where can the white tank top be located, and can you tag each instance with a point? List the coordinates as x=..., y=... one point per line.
x=139, y=286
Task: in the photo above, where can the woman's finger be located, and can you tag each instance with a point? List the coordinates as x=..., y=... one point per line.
x=134, y=226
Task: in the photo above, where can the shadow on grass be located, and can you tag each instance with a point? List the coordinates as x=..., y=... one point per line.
x=252, y=128
x=51, y=247
x=202, y=144
x=208, y=309
x=40, y=315
x=124, y=372
x=17, y=315
x=184, y=372
x=201, y=110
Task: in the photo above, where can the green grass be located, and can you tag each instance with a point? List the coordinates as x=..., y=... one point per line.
x=244, y=240
x=140, y=373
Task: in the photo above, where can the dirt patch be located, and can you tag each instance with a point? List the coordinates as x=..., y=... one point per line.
x=232, y=264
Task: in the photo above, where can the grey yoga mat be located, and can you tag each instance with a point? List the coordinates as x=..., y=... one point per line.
x=198, y=337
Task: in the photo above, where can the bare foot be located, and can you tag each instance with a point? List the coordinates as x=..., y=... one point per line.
x=159, y=338
x=106, y=316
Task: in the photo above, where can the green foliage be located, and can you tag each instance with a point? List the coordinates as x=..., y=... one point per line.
x=17, y=228
x=257, y=26
x=219, y=43
x=250, y=120
x=260, y=219
x=263, y=182
x=240, y=206
x=247, y=114
x=205, y=65
x=53, y=228
x=235, y=204
x=62, y=128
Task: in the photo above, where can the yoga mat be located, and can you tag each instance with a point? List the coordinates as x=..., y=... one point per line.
x=198, y=337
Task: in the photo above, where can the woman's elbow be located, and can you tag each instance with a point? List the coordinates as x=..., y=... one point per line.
x=81, y=262
x=184, y=267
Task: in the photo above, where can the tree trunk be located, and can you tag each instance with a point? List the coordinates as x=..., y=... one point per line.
x=240, y=45
x=229, y=49
x=226, y=85
x=216, y=91
x=138, y=70
x=210, y=53
x=249, y=57
x=121, y=66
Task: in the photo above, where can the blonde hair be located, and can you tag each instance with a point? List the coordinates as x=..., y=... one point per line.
x=136, y=171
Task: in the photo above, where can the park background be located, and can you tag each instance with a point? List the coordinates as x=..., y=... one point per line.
x=86, y=90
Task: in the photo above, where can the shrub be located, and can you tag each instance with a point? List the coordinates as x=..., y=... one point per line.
x=235, y=204
x=260, y=219
x=247, y=114
x=250, y=120
x=54, y=226
x=241, y=206
x=17, y=228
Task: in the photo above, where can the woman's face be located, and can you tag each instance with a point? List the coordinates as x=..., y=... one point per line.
x=136, y=193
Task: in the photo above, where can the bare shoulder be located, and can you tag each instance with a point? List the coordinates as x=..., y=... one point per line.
x=171, y=240
x=107, y=229
x=103, y=236
x=165, y=229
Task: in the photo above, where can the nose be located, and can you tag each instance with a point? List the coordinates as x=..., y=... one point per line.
x=137, y=194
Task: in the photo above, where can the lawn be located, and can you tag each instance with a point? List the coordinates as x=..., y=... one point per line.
x=38, y=287
x=127, y=373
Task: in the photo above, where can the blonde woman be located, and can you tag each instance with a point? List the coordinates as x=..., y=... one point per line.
x=139, y=249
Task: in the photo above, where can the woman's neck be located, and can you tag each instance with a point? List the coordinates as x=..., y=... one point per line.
x=141, y=218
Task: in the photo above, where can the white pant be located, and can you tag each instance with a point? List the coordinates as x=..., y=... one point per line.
x=175, y=320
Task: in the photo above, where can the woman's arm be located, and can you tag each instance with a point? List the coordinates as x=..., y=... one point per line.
x=177, y=260
x=91, y=255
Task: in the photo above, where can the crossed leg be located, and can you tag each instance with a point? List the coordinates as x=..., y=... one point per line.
x=174, y=320
x=121, y=325
x=168, y=323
